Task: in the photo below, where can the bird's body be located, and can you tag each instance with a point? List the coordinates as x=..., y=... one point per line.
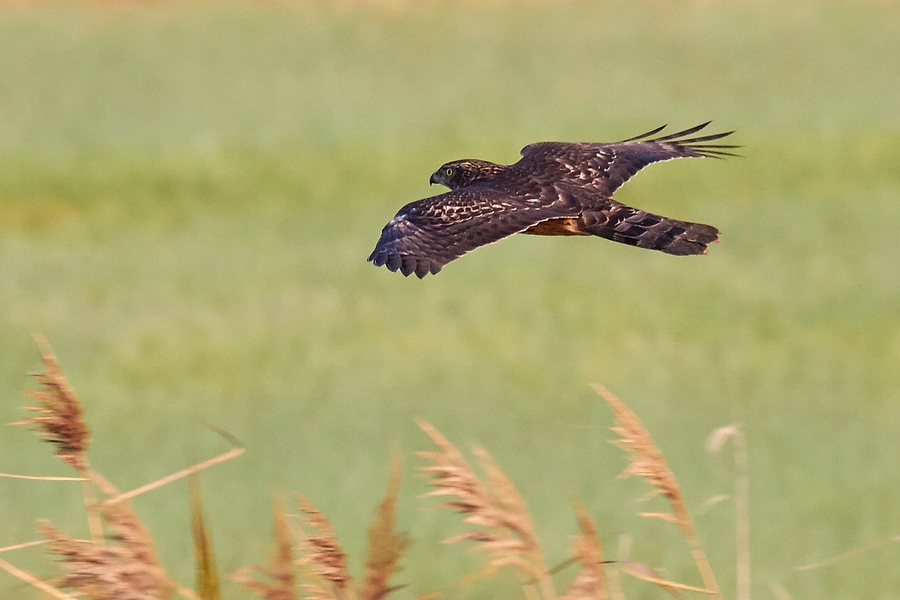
x=556, y=188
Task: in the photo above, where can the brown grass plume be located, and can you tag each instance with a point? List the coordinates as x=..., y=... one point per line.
x=386, y=546
x=126, y=569
x=320, y=568
x=276, y=580
x=504, y=526
x=60, y=417
x=323, y=554
x=590, y=581
x=645, y=460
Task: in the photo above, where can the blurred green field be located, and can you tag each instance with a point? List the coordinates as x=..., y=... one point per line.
x=188, y=194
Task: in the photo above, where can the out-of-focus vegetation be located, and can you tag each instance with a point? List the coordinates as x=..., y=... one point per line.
x=188, y=193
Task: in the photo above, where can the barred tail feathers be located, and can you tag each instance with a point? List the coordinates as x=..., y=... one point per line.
x=645, y=230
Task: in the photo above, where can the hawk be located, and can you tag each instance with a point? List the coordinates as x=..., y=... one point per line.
x=556, y=188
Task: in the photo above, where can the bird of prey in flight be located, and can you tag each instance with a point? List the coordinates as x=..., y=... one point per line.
x=556, y=188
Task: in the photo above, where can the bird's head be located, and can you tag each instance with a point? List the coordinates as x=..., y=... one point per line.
x=461, y=173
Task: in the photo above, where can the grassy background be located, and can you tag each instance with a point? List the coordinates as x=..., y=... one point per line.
x=188, y=194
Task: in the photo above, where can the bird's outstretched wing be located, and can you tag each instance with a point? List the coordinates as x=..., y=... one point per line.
x=604, y=168
x=427, y=234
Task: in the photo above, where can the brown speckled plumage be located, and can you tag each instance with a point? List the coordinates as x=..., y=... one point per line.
x=556, y=188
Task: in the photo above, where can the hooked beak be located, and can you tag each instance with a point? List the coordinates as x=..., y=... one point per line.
x=434, y=179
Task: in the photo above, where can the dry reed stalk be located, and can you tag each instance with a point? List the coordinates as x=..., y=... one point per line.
x=707, y=504
x=505, y=527
x=204, y=557
x=640, y=571
x=645, y=460
x=850, y=553
x=385, y=545
x=645, y=573
x=41, y=477
x=323, y=554
x=714, y=444
x=779, y=591
x=276, y=580
x=236, y=450
x=590, y=582
x=187, y=593
x=615, y=575
x=34, y=581
x=22, y=545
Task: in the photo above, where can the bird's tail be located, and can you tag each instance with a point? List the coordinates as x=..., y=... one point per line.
x=634, y=227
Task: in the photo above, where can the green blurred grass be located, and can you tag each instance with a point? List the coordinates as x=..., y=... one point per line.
x=188, y=194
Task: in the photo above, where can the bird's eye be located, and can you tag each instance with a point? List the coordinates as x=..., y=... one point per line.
x=449, y=171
